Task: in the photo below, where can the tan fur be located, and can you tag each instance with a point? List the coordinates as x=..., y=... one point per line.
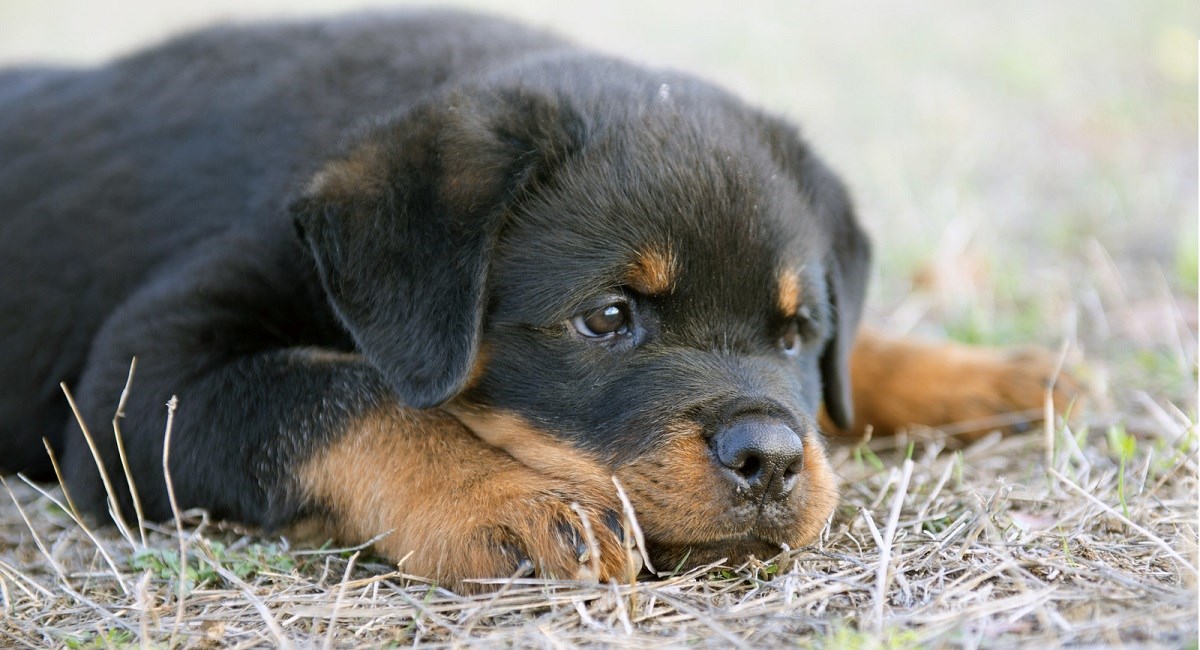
x=903, y=381
x=325, y=356
x=352, y=177
x=460, y=507
x=535, y=449
x=789, y=292
x=482, y=357
x=652, y=272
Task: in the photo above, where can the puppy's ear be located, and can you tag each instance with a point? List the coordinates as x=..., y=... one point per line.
x=402, y=228
x=847, y=263
x=847, y=269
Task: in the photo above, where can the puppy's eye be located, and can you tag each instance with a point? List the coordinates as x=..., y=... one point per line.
x=604, y=322
x=790, y=341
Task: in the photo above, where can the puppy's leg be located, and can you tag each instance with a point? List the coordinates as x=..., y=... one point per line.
x=460, y=507
x=967, y=390
x=270, y=431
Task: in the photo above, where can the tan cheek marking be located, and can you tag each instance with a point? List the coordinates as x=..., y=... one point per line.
x=653, y=272
x=817, y=496
x=789, y=292
x=675, y=492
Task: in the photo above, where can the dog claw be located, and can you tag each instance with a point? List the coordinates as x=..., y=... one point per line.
x=583, y=553
x=522, y=565
x=613, y=521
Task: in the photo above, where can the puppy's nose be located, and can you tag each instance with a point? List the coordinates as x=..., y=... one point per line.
x=766, y=454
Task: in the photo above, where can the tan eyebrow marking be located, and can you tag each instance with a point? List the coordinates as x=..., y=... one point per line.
x=359, y=173
x=653, y=272
x=789, y=291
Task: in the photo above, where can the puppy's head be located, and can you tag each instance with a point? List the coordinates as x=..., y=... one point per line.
x=609, y=272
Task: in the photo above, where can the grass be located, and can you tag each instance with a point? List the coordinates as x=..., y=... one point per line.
x=1029, y=173
x=978, y=546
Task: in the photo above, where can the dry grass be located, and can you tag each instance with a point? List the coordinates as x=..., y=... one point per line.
x=1029, y=171
x=980, y=546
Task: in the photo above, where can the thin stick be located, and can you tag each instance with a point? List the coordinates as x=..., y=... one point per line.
x=348, y=549
x=871, y=526
x=116, y=425
x=633, y=523
x=20, y=580
x=79, y=520
x=114, y=508
x=37, y=539
x=1048, y=405
x=112, y=565
x=172, y=404
x=686, y=609
x=281, y=640
x=337, y=603
x=590, y=536
x=889, y=536
x=621, y=611
x=937, y=490
x=143, y=608
x=505, y=586
x=1125, y=520
x=58, y=474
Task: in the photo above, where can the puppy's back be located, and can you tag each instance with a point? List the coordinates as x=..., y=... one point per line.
x=107, y=173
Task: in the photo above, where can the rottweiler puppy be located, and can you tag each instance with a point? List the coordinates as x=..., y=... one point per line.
x=436, y=278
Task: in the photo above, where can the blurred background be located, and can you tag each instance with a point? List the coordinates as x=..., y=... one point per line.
x=1028, y=169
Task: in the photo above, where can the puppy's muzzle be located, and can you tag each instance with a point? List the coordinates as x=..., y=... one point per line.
x=763, y=457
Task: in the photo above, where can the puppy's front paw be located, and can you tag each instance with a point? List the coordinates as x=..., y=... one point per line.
x=528, y=524
x=453, y=508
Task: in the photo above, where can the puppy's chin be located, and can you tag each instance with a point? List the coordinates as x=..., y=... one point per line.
x=675, y=558
x=676, y=555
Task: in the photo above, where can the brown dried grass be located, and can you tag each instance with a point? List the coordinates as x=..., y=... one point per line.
x=980, y=546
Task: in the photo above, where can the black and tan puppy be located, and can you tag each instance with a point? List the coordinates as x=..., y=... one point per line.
x=443, y=276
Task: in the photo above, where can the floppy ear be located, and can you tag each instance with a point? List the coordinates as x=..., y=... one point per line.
x=847, y=268
x=402, y=228
x=847, y=264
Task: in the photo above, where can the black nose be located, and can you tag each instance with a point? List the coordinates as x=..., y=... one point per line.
x=766, y=454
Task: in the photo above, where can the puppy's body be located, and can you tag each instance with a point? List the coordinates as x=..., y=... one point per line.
x=110, y=174
x=528, y=268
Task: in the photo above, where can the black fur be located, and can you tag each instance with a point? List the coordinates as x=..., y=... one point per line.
x=150, y=207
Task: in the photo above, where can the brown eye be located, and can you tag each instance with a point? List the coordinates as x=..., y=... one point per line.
x=603, y=322
x=790, y=341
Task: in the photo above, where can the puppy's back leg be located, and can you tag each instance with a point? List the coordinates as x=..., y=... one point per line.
x=967, y=390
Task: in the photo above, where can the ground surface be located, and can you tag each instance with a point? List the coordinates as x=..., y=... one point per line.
x=1029, y=172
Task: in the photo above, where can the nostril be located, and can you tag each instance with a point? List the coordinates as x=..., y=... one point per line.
x=793, y=469
x=750, y=467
